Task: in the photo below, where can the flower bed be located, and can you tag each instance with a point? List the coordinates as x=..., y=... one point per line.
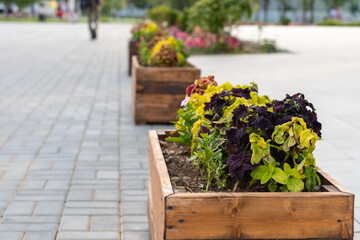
x=244, y=215
x=240, y=166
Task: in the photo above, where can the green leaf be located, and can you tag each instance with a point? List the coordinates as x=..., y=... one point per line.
x=296, y=174
x=287, y=168
x=210, y=155
x=279, y=176
x=278, y=134
x=284, y=189
x=285, y=146
x=266, y=177
x=259, y=172
x=301, y=165
x=270, y=169
x=297, y=130
x=192, y=158
x=270, y=160
x=217, y=154
x=252, y=182
x=175, y=139
x=291, y=142
x=295, y=184
x=254, y=85
x=272, y=186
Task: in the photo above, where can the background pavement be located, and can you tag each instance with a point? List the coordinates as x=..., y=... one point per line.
x=74, y=166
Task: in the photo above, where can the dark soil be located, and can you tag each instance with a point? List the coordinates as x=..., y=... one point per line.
x=185, y=176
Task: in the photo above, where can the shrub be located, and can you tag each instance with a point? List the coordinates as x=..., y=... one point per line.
x=184, y=20
x=356, y=24
x=166, y=52
x=268, y=46
x=285, y=21
x=235, y=133
x=214, y=15
x=163, y=14
x=330, y=22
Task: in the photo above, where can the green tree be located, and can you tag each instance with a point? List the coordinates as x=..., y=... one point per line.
x=181, y=5
x=214, y=15
x=109, y=5
x=284, y=6
x=20, y=3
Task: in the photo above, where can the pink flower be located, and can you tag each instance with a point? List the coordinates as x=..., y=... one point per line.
x=233, y=42
x=188, y=43
x=197, y=30
x=201, y=42
x=184, y=102
x=181, y=35
x=213, y=39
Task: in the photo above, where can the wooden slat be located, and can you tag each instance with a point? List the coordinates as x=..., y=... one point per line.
x=133, y=51
x=259, y=217
x=162, y=110
x=150, y=212
x=156, y=87
x=330, y=188
x=168, y=74
x=329, y=180
x=160, y=187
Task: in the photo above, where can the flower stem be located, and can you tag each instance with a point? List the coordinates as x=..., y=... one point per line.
x=236, y=185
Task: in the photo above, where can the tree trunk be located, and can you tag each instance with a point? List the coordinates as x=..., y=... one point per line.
x=266, y=10
x=284, y=9
x=312, y=18
x=303, y=20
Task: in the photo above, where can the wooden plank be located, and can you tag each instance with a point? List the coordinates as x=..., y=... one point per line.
x=151, y=219
x=169, y=74
x=327, y=179
x=135, y=67
x=330, y=188
x=133, y=51
x=258, y=217
x=162, y=110
x=160, y=87
x=160, y=187
x=166, y=101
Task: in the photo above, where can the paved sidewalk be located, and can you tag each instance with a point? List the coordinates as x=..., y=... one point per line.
x=59, y=132
x=72, y=163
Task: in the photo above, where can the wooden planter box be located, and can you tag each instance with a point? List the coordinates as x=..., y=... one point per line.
x=305, y=215
x=158, y=91
x=133, y=51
